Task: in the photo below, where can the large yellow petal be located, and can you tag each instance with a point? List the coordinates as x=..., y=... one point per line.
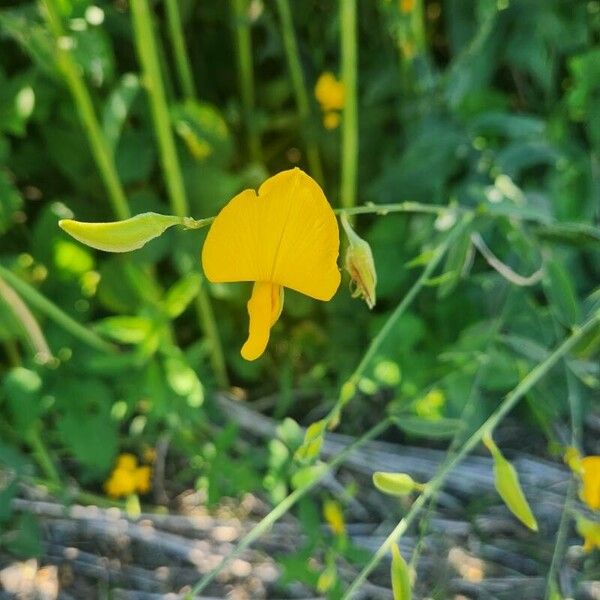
x=264, y=308
x=287, y=234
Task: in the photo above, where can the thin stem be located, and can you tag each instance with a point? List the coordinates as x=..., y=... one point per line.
x=285, y=505
x=83, y=103
x=56, y=314
x=145, y=40
x=147, y=51
x=509, y=402
x=26, y=321
x=42, y=456
x=348, y=50
x=182, y=63
x=243, y=41
x=299, y=85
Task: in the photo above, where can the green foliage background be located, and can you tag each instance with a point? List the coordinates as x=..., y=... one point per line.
x=490, y=106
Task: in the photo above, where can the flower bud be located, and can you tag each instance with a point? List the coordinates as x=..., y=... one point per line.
x=507, y=484
x=589, y=531
x=360, y=265
x=401, y=587
x=395, y=484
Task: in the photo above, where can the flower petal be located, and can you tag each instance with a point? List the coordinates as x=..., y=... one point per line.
x=287, y=234
x=264, y=308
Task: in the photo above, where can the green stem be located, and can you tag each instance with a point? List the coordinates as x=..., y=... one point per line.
x=389, y=325
x=286, y=504
x=209, y=324
x=299, y=85
x=509, y=402
x=42, y=456
x=148, y=54
x=246, y=74
x=83, y=103
x=26, y=322
x=182, y=63
x=145, y=40
x=36, y=300
x=348, y=50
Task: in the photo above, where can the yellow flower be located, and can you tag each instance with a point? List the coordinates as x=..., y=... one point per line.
x=590, y=532
x=143, y=479
x=406, y=6
x=331, y=120
x=590, y=481
x=332, y=511
x=120, y=483
x=286, y=236
x=126, y=461
x=128, y=478
x=329, y=92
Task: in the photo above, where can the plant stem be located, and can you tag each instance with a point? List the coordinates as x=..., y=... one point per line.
x=182, y=63
x=509, y=402
x=389, y=325
x=83, y=103
x=348, y=51
x=148, y=54
x=285, y=505
x=42, y=456
x=26, y=321
x=246, y=74
x=299, y=85
x=45, y=306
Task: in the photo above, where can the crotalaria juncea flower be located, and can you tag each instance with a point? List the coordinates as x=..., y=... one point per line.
x=284, y=236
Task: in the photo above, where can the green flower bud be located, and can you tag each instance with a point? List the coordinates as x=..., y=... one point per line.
x=401, y=587
x=360, y=265
x=395, y=484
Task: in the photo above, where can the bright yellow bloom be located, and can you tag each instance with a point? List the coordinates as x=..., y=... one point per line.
x=331, y=120
x=126, y=461
x=128, y=478
x=590, y=481
x=120, y=483
x=286, y=236
x=329, y=92
x=143, y=479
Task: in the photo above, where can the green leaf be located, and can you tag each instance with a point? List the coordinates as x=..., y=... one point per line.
x=183, y=380
x=26, y=539
x=117, y=108
x=10, y=202
x=454, y=264
x=126, y=330
x=401, y=587
x=120, y=236
x=23, y=391
x=561, y=293
x=578, y=235
x=181, y=294
x=313, y=440
x=306, y=475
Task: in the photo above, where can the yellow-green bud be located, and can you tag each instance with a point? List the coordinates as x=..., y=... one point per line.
x=507, y=484
x=395, y=484
x=360, y=265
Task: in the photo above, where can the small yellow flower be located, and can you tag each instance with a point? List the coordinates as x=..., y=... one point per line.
x=329, y=92
x=284, y=236
x=406, y=6
x=127, y=478
x=143, y=479
x=126, y=461
x=590, y=532
x=331, y=120
x=121, y=483
x=590, y=481
x=332, y=511
x=149, y=455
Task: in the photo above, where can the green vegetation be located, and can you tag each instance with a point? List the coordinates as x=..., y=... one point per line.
x=459, y=139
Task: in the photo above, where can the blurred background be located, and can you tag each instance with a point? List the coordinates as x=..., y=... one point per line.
x=121, y=383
